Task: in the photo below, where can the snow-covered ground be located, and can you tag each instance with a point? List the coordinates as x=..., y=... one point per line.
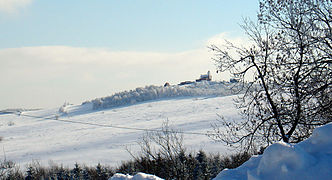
x=310, y=159
x=51, y=135
x=138, y=176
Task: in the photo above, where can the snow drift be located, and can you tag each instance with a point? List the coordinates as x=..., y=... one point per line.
x=138, y=176
x=310, y=159
x=204, y=88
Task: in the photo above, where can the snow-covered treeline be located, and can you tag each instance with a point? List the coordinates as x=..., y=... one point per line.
x=141, y=94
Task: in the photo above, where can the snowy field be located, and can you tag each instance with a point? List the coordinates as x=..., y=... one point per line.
x=54, y=136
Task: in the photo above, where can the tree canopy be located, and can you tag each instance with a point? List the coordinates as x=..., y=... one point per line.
x=289, y=67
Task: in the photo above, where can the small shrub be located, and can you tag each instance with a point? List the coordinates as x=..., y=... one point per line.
x=11, y=123
x=9, y=170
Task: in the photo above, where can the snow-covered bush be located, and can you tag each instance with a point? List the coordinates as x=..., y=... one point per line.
x=9, y=170
x=63, y=109
x=11, y=123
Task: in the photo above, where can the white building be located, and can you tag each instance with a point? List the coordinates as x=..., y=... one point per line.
x=205, y=77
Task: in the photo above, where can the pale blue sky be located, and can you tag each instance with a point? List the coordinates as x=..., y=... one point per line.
x=161, y=25
x=75, y=50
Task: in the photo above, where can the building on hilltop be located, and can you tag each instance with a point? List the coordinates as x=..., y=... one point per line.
x=205, y=77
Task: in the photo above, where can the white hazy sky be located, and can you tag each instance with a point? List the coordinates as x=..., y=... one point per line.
x=53, y=52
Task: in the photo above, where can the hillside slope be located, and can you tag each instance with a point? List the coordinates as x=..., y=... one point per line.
x=72, y=135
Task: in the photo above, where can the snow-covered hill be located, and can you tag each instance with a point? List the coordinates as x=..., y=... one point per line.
x=99, y=131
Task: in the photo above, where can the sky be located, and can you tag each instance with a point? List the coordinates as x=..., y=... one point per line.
x=52, y=52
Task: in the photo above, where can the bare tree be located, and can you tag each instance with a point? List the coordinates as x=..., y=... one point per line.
x=164, y=153
x=168, y=143
x=289, y=68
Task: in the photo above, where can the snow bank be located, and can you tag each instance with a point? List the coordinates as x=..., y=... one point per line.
x=138, y=176
x=310, y=159
x=204, y=88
